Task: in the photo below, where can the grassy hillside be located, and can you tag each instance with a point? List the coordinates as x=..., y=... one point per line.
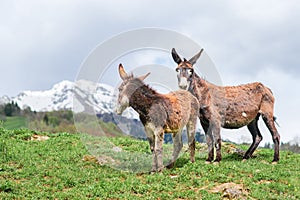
x=59, y=167
x=15, y=122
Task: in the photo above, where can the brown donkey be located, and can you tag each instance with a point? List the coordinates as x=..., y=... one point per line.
x=229, y=107
x=160, y=113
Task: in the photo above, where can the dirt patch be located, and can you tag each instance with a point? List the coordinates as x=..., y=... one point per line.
x=264, y=182
x=227, y=147
x=231, y=148
x=39, y=137
x=231, y=191
x=101, y=160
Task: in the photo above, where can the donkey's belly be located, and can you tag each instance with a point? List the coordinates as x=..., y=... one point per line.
x=238, y=119
x=235, y=125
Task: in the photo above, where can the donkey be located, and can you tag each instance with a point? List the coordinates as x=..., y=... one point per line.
x=160, y=113
x=229, y=107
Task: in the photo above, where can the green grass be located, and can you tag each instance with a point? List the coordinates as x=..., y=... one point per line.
x=56, y=169
x=15, y=122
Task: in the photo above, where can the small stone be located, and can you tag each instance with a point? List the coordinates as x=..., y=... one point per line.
x=116, y=149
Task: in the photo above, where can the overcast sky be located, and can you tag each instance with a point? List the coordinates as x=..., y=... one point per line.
x=44, y=42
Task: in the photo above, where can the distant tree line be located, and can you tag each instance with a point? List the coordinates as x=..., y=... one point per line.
x=295, y=147
x=53, y=121
x=10, y=109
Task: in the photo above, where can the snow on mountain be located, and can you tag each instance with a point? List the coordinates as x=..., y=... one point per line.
x=4, y=100
x=80, y=96
x=93, y=97
x=87, y=97
x=101, y=98
x=59, y=97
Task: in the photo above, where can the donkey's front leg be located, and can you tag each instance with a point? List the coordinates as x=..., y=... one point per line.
x=209, y=142
x=158, y=149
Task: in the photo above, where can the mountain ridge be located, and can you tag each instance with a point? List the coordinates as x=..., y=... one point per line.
x=80, y=96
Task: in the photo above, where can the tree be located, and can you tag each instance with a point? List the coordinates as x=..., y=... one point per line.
x=12, y=109
x=46, y=119
x=8, y=110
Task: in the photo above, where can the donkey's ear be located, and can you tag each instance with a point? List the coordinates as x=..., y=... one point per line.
x=144, y=77
x=194, y=59
x=176, y=57
x=122, y=72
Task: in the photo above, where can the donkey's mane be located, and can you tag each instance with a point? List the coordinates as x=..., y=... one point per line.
x=201, y=79
x=129, y=77
x=145, y=88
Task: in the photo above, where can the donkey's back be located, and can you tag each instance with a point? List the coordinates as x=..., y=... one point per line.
x=239, y=105
x=181, y=108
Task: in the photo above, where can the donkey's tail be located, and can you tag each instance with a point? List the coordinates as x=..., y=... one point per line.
x=275, y=120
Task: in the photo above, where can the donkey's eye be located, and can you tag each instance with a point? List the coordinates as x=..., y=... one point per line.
x=190, y=71
x=177, y=70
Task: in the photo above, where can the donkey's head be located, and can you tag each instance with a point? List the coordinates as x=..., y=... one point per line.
x=129, y=85
x=185, y=70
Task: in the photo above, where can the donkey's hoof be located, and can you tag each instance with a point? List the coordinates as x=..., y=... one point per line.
x=244, y=160
x=170, y=166
x=153, y=170
x=160, y=169
x=207, y=162
x=216, y=163
x=274, y=162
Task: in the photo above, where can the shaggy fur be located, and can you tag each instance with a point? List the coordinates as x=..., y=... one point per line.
x=160, y=113
x=229, y=107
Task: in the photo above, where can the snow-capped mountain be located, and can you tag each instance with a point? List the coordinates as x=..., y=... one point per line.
x=4, y=100
x=80, y=96
x=58, y=97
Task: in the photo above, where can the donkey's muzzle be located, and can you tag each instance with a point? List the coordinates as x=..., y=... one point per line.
x=122, y=105
x=118, y=110
x=183, y=87
x=183, y=83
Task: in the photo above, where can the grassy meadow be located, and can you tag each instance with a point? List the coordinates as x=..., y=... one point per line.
x=15, y=122
x=38, y=165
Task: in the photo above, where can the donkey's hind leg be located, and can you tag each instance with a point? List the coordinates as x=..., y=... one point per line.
x=267, y=109
x=217, y=141
x=151, y=139
x=177, y=146
x=269, y=121
x=158, y=148
x=191, y=129
x=256, y=137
